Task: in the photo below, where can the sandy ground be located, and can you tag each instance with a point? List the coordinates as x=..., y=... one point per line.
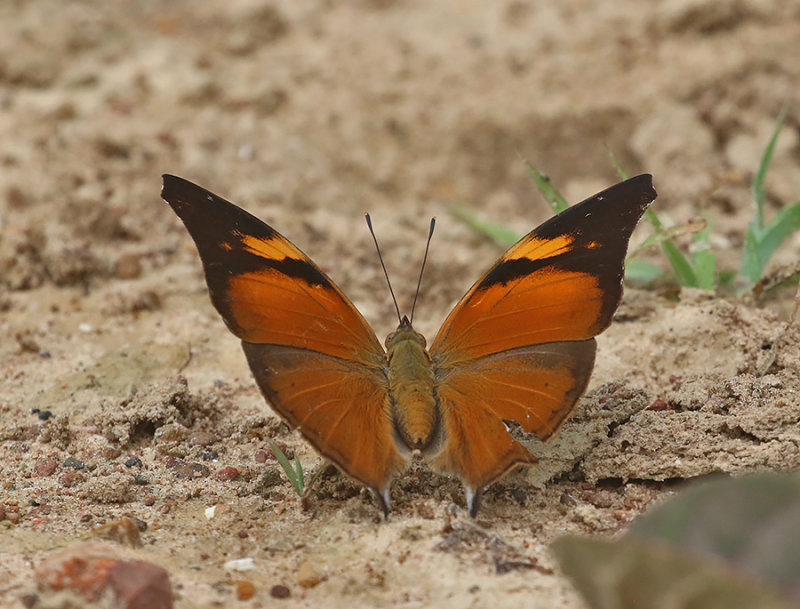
x=308, y=114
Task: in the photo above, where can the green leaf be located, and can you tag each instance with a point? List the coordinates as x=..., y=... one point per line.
x=761, y=240
x=680, y=265
x=498, y=233
x=786, y=222
x=546, y=188
x=731, y=543
x=751, y=523
x=760, y=177
x=632, y=574
x=704, y=262
x=295, y=476
x=642, y=272
x=300, y=477
x=616, y=164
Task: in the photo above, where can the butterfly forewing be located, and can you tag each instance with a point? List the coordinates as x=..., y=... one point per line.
x=562, y=281
x=265, y=288
x=518, y=346
x=313, y=355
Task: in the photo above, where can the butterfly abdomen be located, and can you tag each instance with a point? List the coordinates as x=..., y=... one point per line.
x=411, y=386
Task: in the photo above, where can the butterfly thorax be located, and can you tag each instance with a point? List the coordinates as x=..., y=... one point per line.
x=411, y=387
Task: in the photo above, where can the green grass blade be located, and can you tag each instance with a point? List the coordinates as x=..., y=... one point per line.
x=681, y=266
x=751, y=264
x=615, y=163
x=760, y=177
x=300, y=477
x=758, y=249
x=498, y=233
x=704, y=263
x=286, y=466
x=642, y=272
x=546, y=188
x=704, y=267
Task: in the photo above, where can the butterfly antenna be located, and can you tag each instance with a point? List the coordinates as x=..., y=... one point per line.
x=422, y=270
x=383, y=266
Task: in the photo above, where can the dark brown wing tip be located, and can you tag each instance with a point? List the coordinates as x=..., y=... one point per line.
x=176, y=190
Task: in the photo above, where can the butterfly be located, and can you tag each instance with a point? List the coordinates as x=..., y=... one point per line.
x=519, y=346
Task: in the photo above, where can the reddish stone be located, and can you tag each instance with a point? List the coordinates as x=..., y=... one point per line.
x=140, y=585
x=227, y=474
x=45, y=467
x=82, y=569
x=658, y=404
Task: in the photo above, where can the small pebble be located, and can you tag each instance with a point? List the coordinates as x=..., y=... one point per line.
x=44, y=415
x=202, y=438
x=242, y=534
x=307, y=575
x=149, y=501
x=128, y=266
x=600, y=499
x=279, y=591
x=141, y=479
x=133, y=462
x=74, y=463
x=240, y=564
x=261, y=456
x=226, y=474
x=658, y=405
x=45, y=467
x=209, y=455
x=245, y=590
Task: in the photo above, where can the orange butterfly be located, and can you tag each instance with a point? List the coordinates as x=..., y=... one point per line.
x=518, y=346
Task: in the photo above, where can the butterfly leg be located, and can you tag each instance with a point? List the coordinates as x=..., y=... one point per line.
x=473, y=500
x=384, y=500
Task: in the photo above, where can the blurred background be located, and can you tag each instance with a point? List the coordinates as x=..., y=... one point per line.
x=309, y=113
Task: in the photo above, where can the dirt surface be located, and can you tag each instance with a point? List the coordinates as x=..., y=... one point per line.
x=308, y=114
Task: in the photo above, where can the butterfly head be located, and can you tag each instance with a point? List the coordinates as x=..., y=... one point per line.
x=404, y=333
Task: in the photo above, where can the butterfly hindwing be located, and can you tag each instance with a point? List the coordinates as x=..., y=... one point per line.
x=340, y=406
x=518, y=346
x=313, y=355
x=535, y=386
